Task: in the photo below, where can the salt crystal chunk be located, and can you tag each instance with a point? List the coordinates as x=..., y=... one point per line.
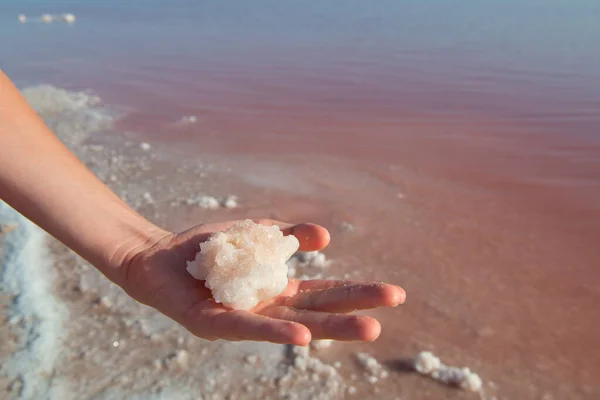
x=106, y=302
x=251, y=359
x=182, y=357
x=230, y=202
x=22, y=18
x=190, y=119
x=371, y=365
x=426, y=362
x=47, y=18
x=148, y=197
x=145, y=146
x=208, y=202
x=245, y=264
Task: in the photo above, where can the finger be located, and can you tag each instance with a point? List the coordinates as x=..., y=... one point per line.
x=213, y=321
x=324, y=325
x=349, y=297
x=311, y=237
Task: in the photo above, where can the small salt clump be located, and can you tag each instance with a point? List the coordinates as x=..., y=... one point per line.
x=22, y=18
x=372, y=367
x=190, y=119
x=208, y=202
x=145, y=146
x=68, y=18
x=47, y=18
x=428, y=364
x=245, y=264
x=307, y=265
x=230, y=202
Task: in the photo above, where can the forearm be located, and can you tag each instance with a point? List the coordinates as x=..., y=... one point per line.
x=45, y=182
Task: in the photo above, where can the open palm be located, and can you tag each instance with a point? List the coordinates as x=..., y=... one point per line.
x=306, y=310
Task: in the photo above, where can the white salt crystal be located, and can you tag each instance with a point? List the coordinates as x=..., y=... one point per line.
x=145, y=146
x=351, y=390
x=307, y=265
x=208, y=202
x=148, y=197
x=106, y=302
x=68, y=18
x=370, y=364
x=337, y=364
x=346, y=227
x=251, y=359
x=245, y=264
x=230, y=202
x=190, y=119
x=428, y=364
x=22, y=18
x=372, y=379
x=425, y=362
x=182, y=357
x=47, y=18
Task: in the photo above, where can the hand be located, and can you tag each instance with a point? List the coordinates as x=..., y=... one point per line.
x=305, y=311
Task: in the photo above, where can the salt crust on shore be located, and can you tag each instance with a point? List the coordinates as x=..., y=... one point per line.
x=40, y=322
x=426, y=363
x=245, y=264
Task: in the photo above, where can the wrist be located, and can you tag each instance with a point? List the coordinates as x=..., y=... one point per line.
x=136, y=237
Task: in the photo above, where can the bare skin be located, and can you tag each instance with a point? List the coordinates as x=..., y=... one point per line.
x=45, y=182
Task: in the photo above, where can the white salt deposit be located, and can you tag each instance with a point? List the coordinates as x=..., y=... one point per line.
x=68, y=18
x=47, y=18
x=310, y=378
x=427, y=363
x=26, y=274
x=307, y=265
x=372, y=367
x=245, y=264
x=187, y=120
x=145, y=146
x=211, y=203
x=22, y=18
x=230, y=201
